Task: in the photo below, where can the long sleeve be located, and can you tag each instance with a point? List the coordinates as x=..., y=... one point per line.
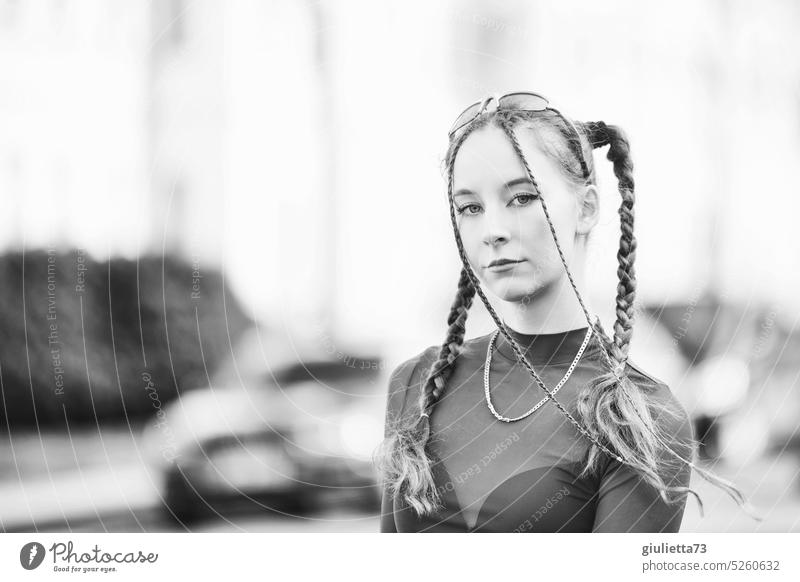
x=398, y=385
x=627, y=503
x=387, y=512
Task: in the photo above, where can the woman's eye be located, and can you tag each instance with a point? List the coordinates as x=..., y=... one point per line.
x=524, y=199
x=466, y=207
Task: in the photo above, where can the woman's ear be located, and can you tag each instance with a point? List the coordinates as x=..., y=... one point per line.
x=588, y=210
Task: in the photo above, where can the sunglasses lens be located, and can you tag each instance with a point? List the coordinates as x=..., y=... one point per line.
x=468, y=115
x=525, y=101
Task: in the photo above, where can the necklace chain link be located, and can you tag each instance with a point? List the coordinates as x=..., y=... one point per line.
x=487, y=367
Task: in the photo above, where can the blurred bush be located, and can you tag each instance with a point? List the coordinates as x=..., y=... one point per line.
x=82, y=339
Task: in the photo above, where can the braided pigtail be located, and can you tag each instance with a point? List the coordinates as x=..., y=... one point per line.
x=407, y=467
x=619, y=155
x=611, y=406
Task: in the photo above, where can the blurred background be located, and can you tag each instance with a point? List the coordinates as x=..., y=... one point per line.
x=223, y=224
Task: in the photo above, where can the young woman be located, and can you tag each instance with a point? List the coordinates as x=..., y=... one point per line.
x=544, y=425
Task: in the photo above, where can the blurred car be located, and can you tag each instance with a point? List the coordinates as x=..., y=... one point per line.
x=290, y=440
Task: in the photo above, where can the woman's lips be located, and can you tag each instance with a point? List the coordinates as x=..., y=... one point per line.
x=508, y=266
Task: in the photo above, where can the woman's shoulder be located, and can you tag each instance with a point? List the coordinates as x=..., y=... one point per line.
x=408, y=376
x=648, y=382
x=668, y=411
x=402, y=373
x=410, y=369
x=405, y=377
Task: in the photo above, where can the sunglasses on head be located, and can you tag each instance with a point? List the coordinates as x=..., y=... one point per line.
x=522, y=101
x=519, y=101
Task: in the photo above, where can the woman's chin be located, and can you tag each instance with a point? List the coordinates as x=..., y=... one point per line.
x=514, y=293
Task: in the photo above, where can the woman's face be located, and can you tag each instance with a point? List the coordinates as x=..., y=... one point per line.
x=500, y=215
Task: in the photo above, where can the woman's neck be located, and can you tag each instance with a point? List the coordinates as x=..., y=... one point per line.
x=555, y=309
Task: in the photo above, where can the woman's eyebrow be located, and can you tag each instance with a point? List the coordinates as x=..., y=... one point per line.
x=516, y=181
x=509, y=184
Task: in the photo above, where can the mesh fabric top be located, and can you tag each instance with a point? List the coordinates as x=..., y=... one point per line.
x=523, y=476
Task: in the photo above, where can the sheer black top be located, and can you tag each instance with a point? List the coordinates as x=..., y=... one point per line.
x=523, y=476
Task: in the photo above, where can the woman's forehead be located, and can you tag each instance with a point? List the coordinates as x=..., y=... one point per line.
x=487, y=160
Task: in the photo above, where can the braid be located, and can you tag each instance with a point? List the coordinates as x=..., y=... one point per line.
x=405, y=459
x=442, y=368
x=619, y=155
x=596, y=132
x=408, y=464
x=599, y=135
x=616, y=400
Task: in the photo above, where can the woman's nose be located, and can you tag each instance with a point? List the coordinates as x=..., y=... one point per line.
x=496, y=232
x=495, y=239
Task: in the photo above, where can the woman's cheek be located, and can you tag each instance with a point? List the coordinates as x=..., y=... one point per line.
x=471, y=243
x=472, y=255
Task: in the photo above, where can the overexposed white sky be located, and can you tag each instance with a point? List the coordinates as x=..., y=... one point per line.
x=316, y=184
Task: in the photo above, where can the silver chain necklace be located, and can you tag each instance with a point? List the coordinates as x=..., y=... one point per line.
x=487, y=367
